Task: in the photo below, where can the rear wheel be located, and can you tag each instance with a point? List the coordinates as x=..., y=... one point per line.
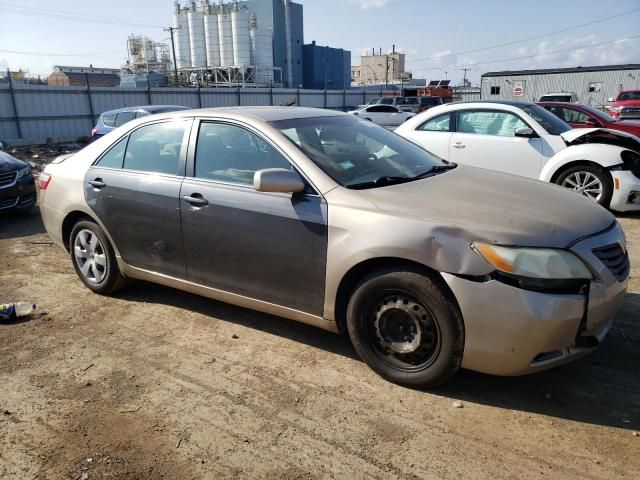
x=93, y=258
x=406, y=327
x=589, y=181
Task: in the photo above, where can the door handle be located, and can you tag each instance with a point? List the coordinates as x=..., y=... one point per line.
x=459, y=145
x=97, y=183
x=195, y=199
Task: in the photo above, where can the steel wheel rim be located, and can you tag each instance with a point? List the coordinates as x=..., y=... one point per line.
x=90, y=256
x=585, y=183
x=413, y=347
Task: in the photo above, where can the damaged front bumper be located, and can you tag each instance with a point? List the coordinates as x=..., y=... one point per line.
x=512, y=331
x=626, y=191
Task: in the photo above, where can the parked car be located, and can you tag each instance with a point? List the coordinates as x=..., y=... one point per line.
x=523, y=138
x=383, y=115
x=17, y=186
x=586, y=116
x=418, y=104
x=626, y=105
x=113, y=119
x=319, y=217
x=569, y=97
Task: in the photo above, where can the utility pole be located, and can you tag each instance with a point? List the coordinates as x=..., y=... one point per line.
x=171, y=30
x=464, y=81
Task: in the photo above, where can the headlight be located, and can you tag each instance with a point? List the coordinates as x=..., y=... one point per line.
x=535, y=263
x=631, y=161
x=23, y=172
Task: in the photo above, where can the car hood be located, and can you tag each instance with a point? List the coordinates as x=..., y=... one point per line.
x=578, y=136
x=9, y=163
x=495, y=207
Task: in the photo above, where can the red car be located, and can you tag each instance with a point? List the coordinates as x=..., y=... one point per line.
x=586, y=116
x=626, y=105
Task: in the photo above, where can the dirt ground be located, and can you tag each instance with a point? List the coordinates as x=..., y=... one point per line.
x=158, y=384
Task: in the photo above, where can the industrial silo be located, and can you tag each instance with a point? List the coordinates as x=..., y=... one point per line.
x=197, y=41
x=262, y=46
x=182, y=44
x=226, y=36
x=241, y=37
x=212, y=35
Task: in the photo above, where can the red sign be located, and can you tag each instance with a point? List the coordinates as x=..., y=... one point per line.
x=518, y=91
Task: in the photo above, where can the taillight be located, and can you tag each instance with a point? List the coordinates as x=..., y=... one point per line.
x=43, y=180
x=93, y=132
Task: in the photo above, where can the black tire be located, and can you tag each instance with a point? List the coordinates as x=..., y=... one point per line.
x=430, y=306
x=602, y=175
x=113, y=280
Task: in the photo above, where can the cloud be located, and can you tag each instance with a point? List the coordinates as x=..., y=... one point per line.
x=3, y=64
x=367, y=4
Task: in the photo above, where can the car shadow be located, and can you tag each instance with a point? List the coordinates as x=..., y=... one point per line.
x=21, y=224
x=602, y=388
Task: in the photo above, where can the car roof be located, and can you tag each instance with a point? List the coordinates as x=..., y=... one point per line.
x=511, y=103
x=147, y=108
x=559, y=93
x=266, y=114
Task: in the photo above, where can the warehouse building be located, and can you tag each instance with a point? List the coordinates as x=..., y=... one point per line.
x=80, y=76
x=326, y=68
x=593, y=85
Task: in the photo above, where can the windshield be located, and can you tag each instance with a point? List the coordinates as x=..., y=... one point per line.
x=359, y=154
x=556, y=98
x=624, y=96
x=598, y=113
x=547, y=120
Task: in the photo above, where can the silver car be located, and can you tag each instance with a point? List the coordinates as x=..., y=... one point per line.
x=330, y=220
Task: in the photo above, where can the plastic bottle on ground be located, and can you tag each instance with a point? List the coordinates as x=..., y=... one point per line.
x=11, y=311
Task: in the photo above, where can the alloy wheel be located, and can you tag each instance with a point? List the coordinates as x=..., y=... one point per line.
x=584, y=183
x=90, y=256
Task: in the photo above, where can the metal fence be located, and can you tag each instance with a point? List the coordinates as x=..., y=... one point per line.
x=37, y=113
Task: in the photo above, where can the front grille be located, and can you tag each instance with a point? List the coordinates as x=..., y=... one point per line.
x=27, y=199
x=615, y=259
x=7, y=179
x=8, y=202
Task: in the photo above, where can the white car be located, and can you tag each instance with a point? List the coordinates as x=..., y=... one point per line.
x=383, y=115
x=525, y=139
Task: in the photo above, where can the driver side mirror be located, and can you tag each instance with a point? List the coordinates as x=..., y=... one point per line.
x=525, y=132
x=278, y=180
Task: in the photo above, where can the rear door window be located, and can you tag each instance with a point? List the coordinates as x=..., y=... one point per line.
x=441, y=123
x=156, y=148
x=109, y=120
x=123, y=117
x=115, y=155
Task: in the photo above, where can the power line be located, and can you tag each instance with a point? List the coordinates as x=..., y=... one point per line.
x=535, y=37
x=65, y=15
x=42, y=54
x=532, y=56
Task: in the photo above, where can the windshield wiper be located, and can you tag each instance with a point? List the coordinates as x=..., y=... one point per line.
x=435, y=170
x=379, y=182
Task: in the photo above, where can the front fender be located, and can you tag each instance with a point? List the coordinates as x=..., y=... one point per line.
x=606, y=156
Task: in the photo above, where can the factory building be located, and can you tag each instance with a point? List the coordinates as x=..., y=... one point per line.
x=80, y=76
x=593, y=85
x=326, y=68
x=248, y=42
x=380, y=69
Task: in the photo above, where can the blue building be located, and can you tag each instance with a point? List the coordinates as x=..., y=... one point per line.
x=326, y=68
x=286, y=20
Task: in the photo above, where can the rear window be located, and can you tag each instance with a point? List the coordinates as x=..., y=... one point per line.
x=555, y=98
x=109, y=120
x=123, y=117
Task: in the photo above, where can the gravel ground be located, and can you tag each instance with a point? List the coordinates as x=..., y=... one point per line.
x=155, y=383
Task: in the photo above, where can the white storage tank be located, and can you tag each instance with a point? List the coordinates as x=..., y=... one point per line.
x=262, y=45
x=197, y=38
x=212, y=36
x=226, y=37
x=241, y=37
x=182, y=44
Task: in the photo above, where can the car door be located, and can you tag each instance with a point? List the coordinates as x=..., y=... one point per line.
x=134, y=190
x=267, y=246
x=434, y=134
x=486, y=138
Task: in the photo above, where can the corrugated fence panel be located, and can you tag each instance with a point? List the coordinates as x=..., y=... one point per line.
x=47, y=112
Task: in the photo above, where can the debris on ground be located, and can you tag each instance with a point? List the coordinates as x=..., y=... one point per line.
x=457, y=404
x=234, y=336
x=38, y=156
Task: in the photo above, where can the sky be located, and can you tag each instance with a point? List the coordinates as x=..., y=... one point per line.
x=439, y=38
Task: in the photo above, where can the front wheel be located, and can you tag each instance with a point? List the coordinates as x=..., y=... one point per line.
x=406, y=327
x=93, y=258
x=589, y=181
